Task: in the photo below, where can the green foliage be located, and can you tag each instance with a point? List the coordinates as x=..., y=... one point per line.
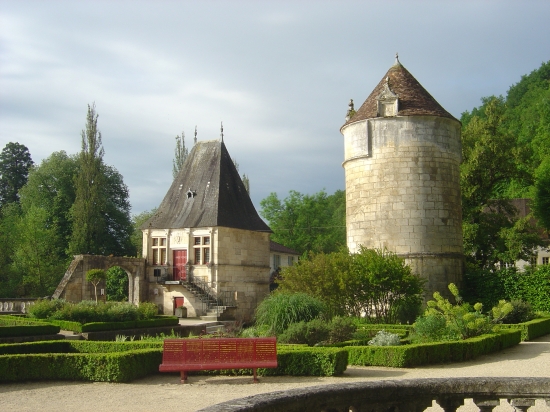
x=281, y=309
x=521, y=312
x=341, y=329
x=80, y=360
x=541, y=199
x=307, y=223
x=180, y=154
x=506, y=155
x=45, y=308
x=531, y=286
x=100, y=214
x=371, y=282
x=408, y=356
x=89, y=311
x=137, y=235
x=15, y=163
x=294, y=360
x=384, y=338
x=531, y=329
x=310, y=333
x=116, y=285
x=462, y=321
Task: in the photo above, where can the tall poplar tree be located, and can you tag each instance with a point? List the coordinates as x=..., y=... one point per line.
x=88, y=210
x=180, y=154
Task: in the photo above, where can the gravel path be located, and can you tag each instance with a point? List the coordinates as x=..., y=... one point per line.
x=164, y=392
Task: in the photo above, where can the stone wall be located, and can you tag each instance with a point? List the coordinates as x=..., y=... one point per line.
x=403, y=193
x=243, y=268
x=74, y=287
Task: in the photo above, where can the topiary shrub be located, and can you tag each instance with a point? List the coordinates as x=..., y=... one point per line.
x=281, y=309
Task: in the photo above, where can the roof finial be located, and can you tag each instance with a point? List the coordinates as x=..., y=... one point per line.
x=221, y=130
x=397, y=58
x=195, y=140
x=351, y=110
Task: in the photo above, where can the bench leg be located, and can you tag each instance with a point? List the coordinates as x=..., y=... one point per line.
x=183, y=376
x=255, y=375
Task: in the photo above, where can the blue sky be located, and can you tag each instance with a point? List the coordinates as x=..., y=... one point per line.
x=279, y=74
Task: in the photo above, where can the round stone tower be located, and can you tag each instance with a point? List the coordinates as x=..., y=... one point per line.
x=402, y=158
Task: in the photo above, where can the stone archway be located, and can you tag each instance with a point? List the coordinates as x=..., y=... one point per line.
x=74, y=287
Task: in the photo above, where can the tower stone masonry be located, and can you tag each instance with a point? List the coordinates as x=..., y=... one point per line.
x=402, y=158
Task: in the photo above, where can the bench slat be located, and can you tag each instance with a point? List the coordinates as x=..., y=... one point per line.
x=219, y=353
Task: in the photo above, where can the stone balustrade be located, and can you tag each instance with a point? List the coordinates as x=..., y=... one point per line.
x=417, y=395
x=15, y=305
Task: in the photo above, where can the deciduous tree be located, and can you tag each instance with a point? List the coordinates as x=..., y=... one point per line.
x=307, y=222
x=15, y=163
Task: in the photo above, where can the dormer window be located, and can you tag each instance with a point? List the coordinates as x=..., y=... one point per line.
x=387, y=102
x=191, y=193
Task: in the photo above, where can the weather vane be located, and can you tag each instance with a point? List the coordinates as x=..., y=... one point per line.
x=221, y=130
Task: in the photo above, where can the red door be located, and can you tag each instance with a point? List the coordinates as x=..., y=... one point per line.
x=180, y=259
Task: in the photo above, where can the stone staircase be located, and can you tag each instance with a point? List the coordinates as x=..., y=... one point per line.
x=210, y=304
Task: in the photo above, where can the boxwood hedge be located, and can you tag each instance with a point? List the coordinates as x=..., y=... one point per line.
x=407, y=356
x=79, y=360
x=14, y=326
x=532, y=329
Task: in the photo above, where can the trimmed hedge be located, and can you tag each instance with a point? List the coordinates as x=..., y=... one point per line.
x=531, y=330
x=106, y=326
x=298, y=360
x=14, y=326
x=407, y=356
x=79, y=360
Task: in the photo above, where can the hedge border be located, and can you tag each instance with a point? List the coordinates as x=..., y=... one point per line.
x=407, y=356
x=108, y=326
x=531, y=330
x=15, y=326
x=79, y=360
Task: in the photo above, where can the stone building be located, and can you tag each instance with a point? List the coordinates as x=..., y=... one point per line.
x=402, y=157
x=206, y=247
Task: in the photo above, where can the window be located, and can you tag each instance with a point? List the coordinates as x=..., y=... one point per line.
x=159, y=250
x=201, y=246
x=276, y=262
x=290, y=260
x=545, y=260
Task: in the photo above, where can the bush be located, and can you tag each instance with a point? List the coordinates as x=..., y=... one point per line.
x=45, y=308
x=341, y=329
x=521, y=312
x=432, y=328
x=310, y=333
x=147, y=310
x=280, y=309
x=384, y=338
x=89, y=311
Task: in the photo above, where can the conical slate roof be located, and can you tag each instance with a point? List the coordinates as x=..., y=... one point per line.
x=208, y=191
x=414, y=100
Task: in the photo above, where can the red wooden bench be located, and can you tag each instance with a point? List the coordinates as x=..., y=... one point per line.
x=184, y=355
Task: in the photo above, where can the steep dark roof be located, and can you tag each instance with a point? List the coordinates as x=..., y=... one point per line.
x=414, y=100
x=208, y=191
x=277, y=247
